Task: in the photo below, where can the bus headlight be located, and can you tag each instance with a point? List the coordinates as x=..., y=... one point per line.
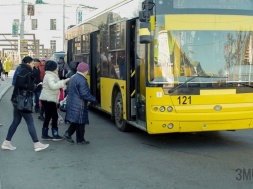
x=170, y=109
x=217, y=108
x=170, y=125
x=162, y=108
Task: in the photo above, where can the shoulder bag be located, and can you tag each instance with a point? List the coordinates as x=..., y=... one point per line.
x=25, y=101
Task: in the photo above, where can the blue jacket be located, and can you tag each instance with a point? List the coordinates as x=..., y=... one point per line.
x=16, y=74
x=78, y=96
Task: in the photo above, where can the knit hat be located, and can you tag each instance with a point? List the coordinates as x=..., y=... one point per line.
x=43, y=59
x=36, y=60
x=82, y=67
x=50, y=65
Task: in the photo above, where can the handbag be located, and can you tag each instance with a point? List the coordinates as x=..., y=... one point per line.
x=25, y=101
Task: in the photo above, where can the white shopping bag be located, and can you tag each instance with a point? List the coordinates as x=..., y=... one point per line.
x=2, y=77
x=60, y=119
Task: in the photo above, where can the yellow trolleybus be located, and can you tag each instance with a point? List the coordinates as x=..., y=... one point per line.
x=168, y=66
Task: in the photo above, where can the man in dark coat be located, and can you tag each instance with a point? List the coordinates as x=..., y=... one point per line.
x=63, y=68
x=72, y=68
x=76, y=107
x=38, y=82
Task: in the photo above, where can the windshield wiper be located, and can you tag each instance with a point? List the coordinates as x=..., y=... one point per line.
x=182, y=84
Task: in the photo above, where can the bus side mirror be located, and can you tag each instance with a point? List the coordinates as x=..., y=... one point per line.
x=144, y=32
x=144, y=16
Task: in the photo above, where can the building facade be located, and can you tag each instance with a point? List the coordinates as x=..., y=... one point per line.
x=44, y=26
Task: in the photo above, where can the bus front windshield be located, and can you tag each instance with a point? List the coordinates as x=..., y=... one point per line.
x=180, y=54
x=219, y=55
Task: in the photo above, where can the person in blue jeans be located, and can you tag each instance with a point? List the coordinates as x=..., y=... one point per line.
x=24, y=82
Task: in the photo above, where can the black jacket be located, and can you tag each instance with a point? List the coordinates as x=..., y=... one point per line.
x=36, y=75
x=25, y=81
x=72, y=69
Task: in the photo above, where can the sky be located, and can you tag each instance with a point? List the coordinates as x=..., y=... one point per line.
x=92, y=3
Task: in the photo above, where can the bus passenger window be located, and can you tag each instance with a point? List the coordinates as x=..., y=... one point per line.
x=122, y=65
x=107, y=68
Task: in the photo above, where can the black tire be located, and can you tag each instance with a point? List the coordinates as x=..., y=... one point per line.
x=118, y=113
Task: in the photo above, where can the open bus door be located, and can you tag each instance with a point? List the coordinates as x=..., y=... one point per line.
x=95, y=65
x=136, y=84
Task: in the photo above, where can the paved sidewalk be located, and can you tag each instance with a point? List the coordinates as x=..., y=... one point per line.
x=6, y=84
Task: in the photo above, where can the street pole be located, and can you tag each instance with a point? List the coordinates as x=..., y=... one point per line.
x=21, y=33
x=63, y=25
x=22, y=19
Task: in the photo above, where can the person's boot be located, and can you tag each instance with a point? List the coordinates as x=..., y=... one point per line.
x=69, y=133
x=45, y=135
x=68, y=138
x=80, y=130
x=56, y=136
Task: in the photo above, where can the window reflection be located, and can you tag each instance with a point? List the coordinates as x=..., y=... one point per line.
x=181, y=54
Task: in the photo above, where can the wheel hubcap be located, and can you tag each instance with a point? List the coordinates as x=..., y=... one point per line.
x=118, y=111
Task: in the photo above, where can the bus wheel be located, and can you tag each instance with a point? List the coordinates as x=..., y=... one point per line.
x=118, y=112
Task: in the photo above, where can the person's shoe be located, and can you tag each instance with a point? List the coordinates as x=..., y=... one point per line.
x=7, y=145
x=46, y=137
x=41, y=118
x=57, y=138
x=38, y=146
x=37, y=111
x=83, y=142
x=68, y=138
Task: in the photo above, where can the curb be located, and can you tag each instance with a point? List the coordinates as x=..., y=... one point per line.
x=2, y=93
x=6, y=85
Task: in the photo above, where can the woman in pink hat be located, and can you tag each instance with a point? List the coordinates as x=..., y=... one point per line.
x=76, y=107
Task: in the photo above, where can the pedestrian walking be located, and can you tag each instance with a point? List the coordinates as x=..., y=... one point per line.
x=7, y=67
x=24, y=81
x=50, y=99
x=76, y=107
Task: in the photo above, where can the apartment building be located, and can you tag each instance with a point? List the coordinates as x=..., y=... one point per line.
x=44, y=25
